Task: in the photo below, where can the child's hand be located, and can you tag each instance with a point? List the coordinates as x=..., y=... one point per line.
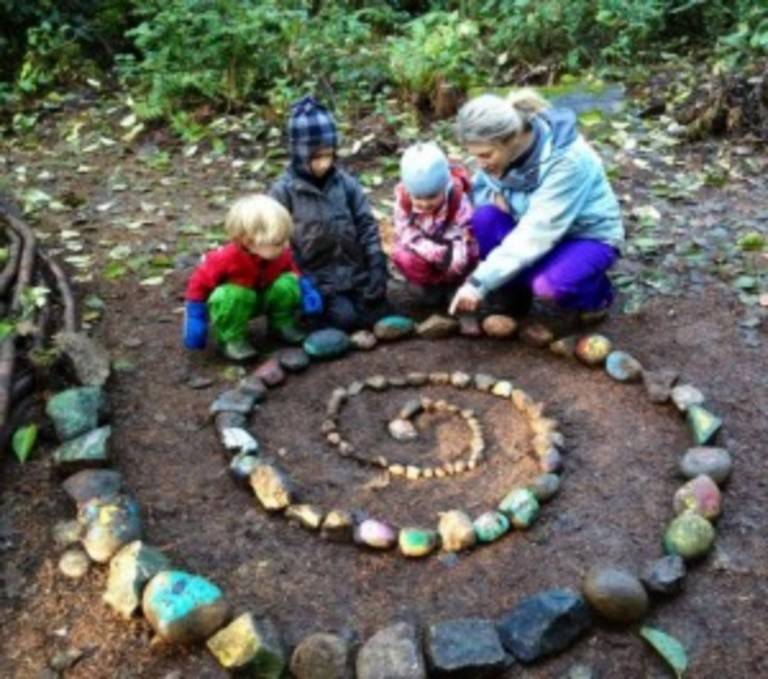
x=467, y=298
x=195, y=325
x=311, y=300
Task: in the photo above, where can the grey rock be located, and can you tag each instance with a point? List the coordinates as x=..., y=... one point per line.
x=243, y=465
x=229, y=420
x=235, y=401
x=659, y=383
x=685, y=395
x=468, y=648
x=665, y=575
x=322, y=656
x=293, y=360
x=270, y=373
x=74, y=564
x=253, y=387
x=545, y=486
x=714, y=462
x=484, y=382
x=392, y=653
x=89, y=359
x=129, y=570
x=200, y=382
x=77, y=411
x=66, y=533
x=93, y=483
x=363, y=340
x=543, y=624
x=437, y=327
x=326, y=344
x=402, y=430
x=615, y=594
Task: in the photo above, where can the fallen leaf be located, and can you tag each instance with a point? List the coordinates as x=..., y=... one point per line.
x=668, y=648
x=23, y=441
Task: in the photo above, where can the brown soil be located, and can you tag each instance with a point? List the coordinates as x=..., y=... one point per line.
x=616, y=497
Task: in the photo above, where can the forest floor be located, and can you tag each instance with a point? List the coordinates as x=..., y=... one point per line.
x=129, y=216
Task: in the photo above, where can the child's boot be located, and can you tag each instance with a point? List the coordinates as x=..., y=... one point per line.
x=289, y=333
x=239, y=350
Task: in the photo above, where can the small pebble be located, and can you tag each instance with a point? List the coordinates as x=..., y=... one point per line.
x=700, y=495
x=686, y=395
x=503, y=388
x=74, y=563
x=665, y=575
x=363, y=340
x=592, y=350
x=565, y=347
x=469, y=326
x=545, y=486
x=377, y=382
x=714, y=462
x=623, y=367
x=270, y=373
x=658, y=384
x=690, y=536
x=460, y=380
x=537, y=335
x=484, y=382
x=402, y=430
x=417, y=542
x=499, y=326
x=616, y=594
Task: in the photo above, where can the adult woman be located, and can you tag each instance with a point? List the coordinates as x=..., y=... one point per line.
x=546, y=219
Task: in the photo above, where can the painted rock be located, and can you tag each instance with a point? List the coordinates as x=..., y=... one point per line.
x=236, y=440
x=271, y=487
x=437, y=327
x=410, y=409
x=623, y=367
x=615, y=594
x=84, y=452
x=689, y=535
x=700, y=495
x=714, y=462
x=456, y=531
x=375, y=534
x=77, y=411
x=233, y=400
x=469, y=326
x=416, y=542
x=469, y=647
x=270, y=373
x=537, y=335
x=402, y=430
x=93, y=483
x=130, y=569
x=499, y=326
x=565, y=346
x=322, y=656
x=109, y=525
x=392, y=328
x=339, y=526
x=503, y=388
x=551, y=462
x=74, y=564
x=521, y=507
x=249, y=646
x=308, y=516
x=460, y=380
x=545, y=486
x=228, y=419
x=242, y=465
x=183, y=608
x=686, y=395
x=490, y=526
x=665, y=575
x=363, y=340
x=327, y=343
x=704, y=425
x=659, y=383
x=543, y=624
x=392, y=652
x=293, y=359
x=592, y=350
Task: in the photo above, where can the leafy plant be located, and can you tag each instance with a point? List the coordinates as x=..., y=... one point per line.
x=24, y=441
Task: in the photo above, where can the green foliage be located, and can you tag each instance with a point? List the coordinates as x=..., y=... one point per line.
x=24, y=441
x=439, y=47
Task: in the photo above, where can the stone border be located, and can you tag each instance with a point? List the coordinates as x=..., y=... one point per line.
x=186, y=608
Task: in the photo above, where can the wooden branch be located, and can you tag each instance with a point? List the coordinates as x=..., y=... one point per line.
x=11, y=266
x=67, y=298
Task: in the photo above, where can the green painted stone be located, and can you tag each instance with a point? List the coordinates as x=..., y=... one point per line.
x=109, y=525
x=392, y=328
x=417, y=542
x=327, y=343
x=704, y=424
x=84, y=452
x=689, y=535
x=183, y=608
x=249, y=646
x=521, y=506
x=490, y=526
x=76, y=411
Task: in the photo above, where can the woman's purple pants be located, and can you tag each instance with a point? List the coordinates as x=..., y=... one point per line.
x=572, y=275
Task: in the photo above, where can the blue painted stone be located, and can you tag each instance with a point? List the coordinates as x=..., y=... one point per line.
x=623, y=367
x=543, y=624
x=77, y=411
x=109, y=525
x=392, y=328
x=327, y=343
x=183, y=608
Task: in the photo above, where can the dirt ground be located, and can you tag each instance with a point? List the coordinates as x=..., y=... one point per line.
x=615, y=501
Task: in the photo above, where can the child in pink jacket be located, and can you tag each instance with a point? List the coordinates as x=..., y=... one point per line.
x=434, y=244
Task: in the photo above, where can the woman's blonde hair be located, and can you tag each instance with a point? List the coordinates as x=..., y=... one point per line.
x=490, y=118
x=258, y=220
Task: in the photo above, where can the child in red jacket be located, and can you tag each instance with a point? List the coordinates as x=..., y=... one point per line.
x=251, y=275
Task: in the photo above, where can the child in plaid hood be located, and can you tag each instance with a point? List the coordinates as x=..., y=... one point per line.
x=336, y=238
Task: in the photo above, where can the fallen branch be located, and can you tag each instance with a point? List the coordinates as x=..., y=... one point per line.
x=67, y=298
x=11, y=266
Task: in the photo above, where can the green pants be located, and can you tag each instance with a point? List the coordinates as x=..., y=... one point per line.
x=230, y=306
